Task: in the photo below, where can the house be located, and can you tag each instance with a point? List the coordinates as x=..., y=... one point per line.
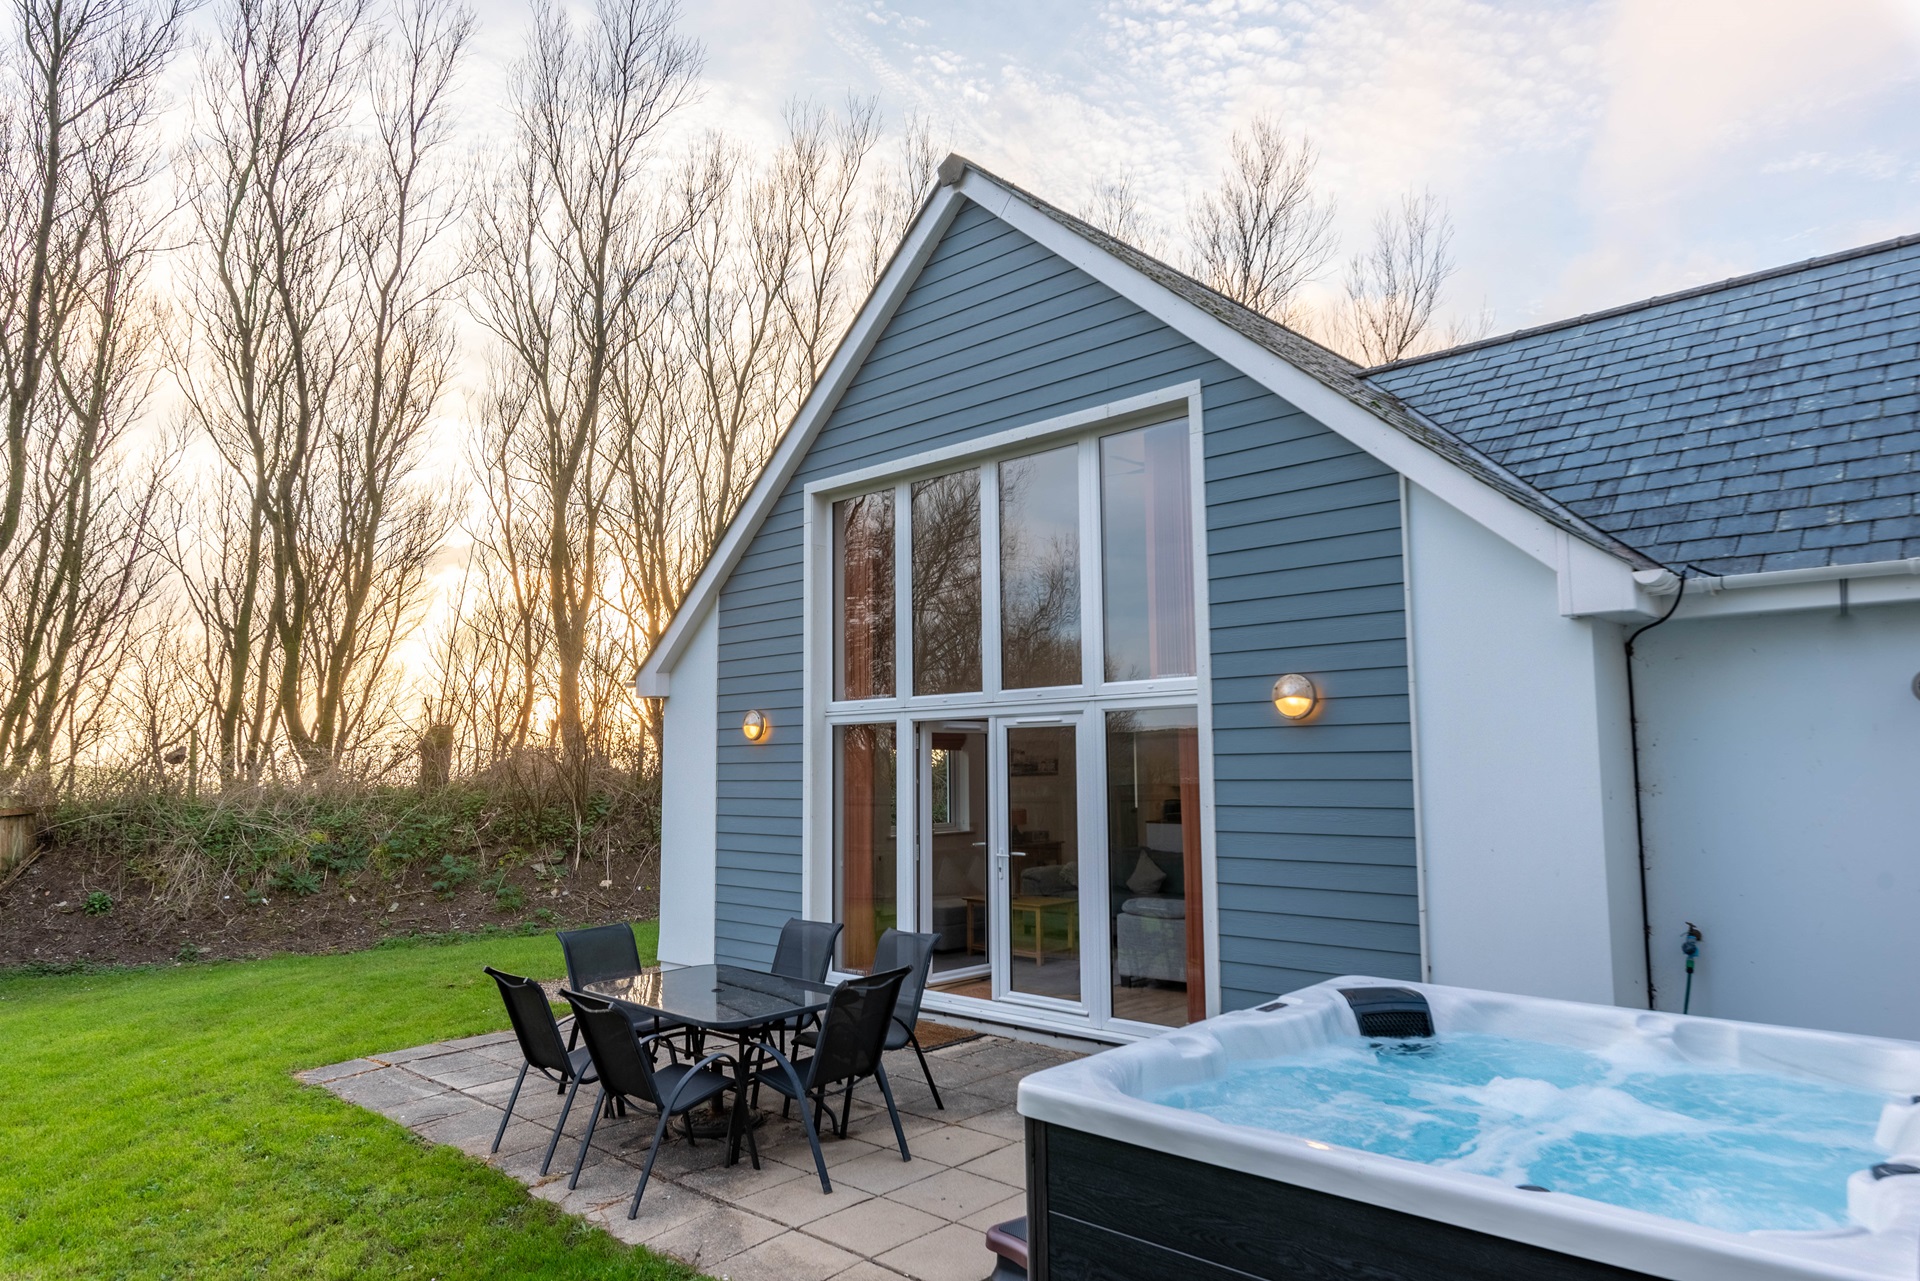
x=992, y=648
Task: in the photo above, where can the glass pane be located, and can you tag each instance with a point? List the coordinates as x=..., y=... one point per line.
x=1146, y=553
x=1040, y=570
x=863, y=595
x=946, y=584
x=865, y=871
x=954, y=866
x=1153, y=865
x=1043, y=825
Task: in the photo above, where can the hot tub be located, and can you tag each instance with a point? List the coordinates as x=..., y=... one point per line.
x=1325, y=1135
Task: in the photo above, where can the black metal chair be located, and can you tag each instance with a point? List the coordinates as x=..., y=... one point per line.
x=898, y=949
x=539, y=1036
x=848, y=1049
x=626, y=1074
x=805, y=950
x=609, y=952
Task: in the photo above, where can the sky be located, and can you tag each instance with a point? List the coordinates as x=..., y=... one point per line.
x=1590, y=153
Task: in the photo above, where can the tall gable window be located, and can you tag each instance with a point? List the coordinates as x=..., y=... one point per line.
x=946, y=584
x=863, y=595
x=1146, y=553
x=1040, y=569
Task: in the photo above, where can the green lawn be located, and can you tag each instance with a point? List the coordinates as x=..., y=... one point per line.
x=150, y=1126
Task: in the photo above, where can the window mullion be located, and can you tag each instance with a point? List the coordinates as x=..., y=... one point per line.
x=1092, y=617
x=990, y=674
x=903, y=590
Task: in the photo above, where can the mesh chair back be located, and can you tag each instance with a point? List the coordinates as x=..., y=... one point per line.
x=806, y=949
x=533, y=1024
x=913, y=952
x=616, y=1054
x=600, y=952
x=853, y=1034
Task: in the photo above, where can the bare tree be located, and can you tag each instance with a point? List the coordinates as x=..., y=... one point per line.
x=1262, y=232
x=77, y=111
x=567, y=249
x=896, y=197
x=760, y=294
x=78, y=560
x=1394, y=288
x=318, y=347
x=1113, y=205
x=378, y=530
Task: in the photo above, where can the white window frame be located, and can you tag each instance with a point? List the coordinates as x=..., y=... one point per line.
x=1090, y=700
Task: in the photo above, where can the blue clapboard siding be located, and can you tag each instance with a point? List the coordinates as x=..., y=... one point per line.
x=1315, y=823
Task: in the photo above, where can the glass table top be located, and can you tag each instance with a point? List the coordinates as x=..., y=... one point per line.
x=720, y=997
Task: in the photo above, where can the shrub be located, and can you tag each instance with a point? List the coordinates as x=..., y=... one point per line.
x=98, y=903
x=291, y=878
x=453, y=872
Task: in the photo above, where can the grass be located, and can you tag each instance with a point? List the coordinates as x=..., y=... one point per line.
x=151, y=1126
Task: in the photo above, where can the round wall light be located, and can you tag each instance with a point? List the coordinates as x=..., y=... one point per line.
x=1294, y=696
x=756, y=726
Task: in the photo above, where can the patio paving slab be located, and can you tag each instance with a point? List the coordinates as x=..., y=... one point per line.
x=951, y=1194
x=885, y=1220
x=950, y=1253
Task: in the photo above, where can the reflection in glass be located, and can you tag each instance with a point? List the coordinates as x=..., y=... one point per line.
x=1146, y=552
x=863, y=595
x=946, y=584
x=1040, y=570
x=1153, y=866
x=953, y=866
x=865, y=873
x=1043, y=825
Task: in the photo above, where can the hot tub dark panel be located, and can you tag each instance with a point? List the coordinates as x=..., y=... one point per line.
x=1389, y=1011
x=1100, y=1210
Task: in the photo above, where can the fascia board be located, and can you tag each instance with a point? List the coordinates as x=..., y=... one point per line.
x=653, y=680
x=1526, y=530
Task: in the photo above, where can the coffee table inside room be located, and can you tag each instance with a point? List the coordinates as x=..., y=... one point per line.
x=1040, y=906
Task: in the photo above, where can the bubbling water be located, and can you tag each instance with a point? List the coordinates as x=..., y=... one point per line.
x=1727, y=1148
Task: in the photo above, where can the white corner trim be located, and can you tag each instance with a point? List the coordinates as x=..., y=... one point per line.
x=915, y=249
x=1526, y=530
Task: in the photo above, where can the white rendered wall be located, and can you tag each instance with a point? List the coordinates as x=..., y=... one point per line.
x=689, y=780
x=1781, y=760
x=1525, y=788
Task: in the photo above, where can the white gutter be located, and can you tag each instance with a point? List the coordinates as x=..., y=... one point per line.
x=1664, y=582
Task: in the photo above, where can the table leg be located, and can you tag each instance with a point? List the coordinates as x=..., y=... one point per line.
x=742, y=1122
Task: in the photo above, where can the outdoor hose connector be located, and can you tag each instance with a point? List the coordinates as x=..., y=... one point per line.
x=1690, y=945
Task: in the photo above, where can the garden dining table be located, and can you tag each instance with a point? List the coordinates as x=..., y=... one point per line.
x=726, y=1000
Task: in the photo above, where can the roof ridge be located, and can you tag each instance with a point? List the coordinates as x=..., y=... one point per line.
x=1627, y=308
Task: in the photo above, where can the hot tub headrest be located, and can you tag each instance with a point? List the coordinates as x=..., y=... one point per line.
x=1389, y=1011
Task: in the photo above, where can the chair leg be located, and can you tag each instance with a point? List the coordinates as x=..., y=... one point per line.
x=813, y=1141
x=886, y=1092
x=913, y=1039
x=686, y=1120
x=646, y=1171
x=846, y=1108
x=554, y=1142
x=586, y=1139
x=512, y=1099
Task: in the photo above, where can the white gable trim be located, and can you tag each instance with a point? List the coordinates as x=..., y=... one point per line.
x=1594, y=581
x=921, y=239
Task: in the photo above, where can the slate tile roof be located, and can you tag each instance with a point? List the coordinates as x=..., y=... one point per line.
x=1767, y=422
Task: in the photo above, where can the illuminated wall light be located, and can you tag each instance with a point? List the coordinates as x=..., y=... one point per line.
x=1294, y=696
x=756, y=726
